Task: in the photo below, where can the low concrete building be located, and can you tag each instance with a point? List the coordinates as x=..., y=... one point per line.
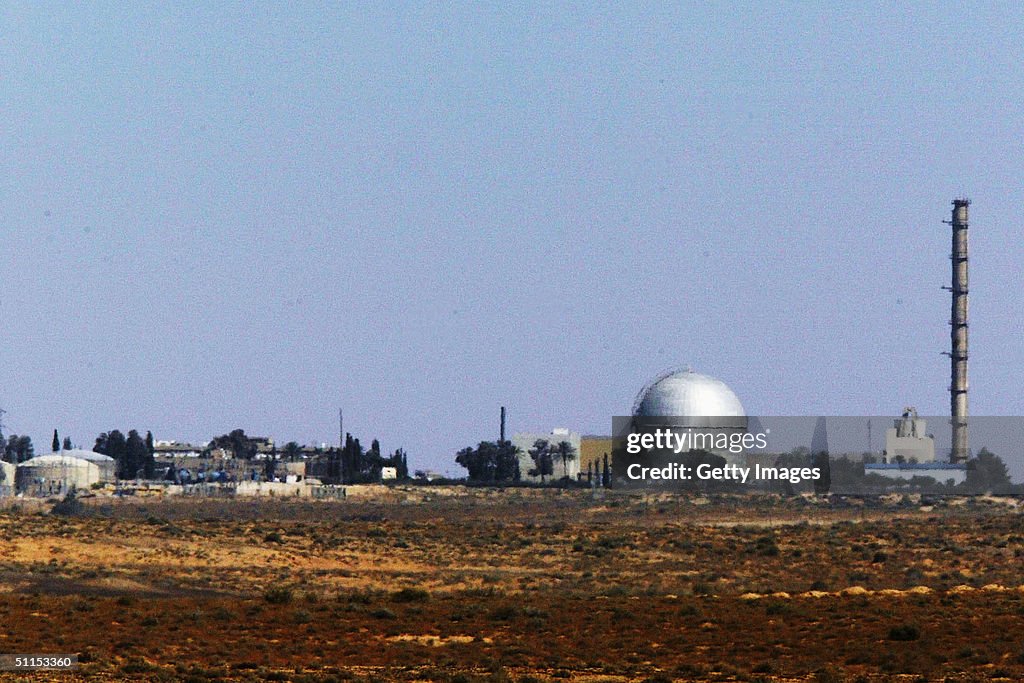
x=941, y=472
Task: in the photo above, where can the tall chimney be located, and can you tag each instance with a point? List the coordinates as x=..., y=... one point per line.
x=502, y=425
x=958, y=334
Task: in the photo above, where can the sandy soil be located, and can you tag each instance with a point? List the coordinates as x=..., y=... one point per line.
x=463, y=585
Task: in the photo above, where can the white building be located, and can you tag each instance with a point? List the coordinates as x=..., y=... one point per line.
x=55, y=474
x=906, y=441
x=570, y=467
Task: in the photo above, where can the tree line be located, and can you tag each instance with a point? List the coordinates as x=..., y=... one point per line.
x=494, y=462
x=133, y=455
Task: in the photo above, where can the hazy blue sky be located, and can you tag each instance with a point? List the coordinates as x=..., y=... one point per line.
x=228, y=216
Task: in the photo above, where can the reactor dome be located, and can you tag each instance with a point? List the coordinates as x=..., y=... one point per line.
x=688, y=394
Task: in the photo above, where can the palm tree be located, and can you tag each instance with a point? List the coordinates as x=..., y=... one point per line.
x=541, y=455
x=291, y=451
x=566, y=451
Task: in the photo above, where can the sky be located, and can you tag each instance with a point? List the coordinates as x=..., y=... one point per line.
x=249, y=215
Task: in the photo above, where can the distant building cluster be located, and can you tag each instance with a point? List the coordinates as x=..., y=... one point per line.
x=55, y=474
x=231, y=464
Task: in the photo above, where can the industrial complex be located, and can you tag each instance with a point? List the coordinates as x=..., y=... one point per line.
x=681, y=399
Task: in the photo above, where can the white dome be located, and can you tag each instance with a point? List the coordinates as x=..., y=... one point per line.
x=685, y=393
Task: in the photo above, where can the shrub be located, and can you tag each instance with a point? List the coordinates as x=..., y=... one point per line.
x=411, y=595
x=278, y=595
x=504, y=613
x=68, y=506
x=828, y=675
x=905, y=632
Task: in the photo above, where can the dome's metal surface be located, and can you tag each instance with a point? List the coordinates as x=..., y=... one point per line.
x=685, y=393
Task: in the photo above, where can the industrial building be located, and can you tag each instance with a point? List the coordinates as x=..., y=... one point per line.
x=569, y=468
x=106, y=464
x=909, y=451
x=907, y=441
x=55, y=474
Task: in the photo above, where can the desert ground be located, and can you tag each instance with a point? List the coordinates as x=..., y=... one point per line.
x=459, y=584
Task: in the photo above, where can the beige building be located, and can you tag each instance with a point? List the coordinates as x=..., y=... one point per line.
x=907, y=441
x=55, y=474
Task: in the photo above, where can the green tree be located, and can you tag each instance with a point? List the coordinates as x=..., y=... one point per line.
x=479, y=467
x=140, y=460
x=114, y=445
x=489, y=462
x=18, y=449
x=237, y=443
x=400, y=462
x=543, y=463
x=566, y=452
x=56, y=441
x=987, y=472
x=291, y=451
x=67, y=443
x=506, y=465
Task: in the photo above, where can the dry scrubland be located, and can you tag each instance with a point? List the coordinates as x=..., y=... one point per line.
x=474, y=585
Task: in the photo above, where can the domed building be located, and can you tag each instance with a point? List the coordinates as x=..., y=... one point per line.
x=687, y=401
x=689, y=395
